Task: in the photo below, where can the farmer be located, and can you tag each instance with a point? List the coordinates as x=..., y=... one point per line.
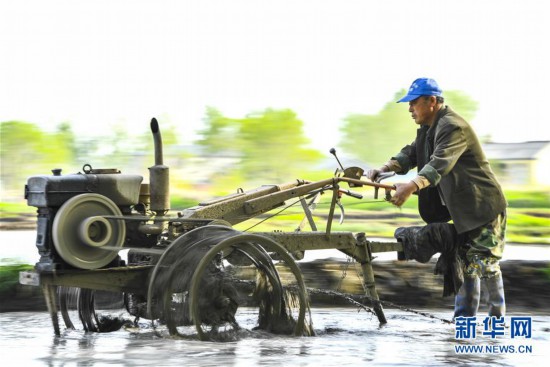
x=454, y=181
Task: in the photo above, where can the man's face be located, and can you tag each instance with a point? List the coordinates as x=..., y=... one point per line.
x=422, y=110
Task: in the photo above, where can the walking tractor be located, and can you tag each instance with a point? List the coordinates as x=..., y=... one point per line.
x=108, y=241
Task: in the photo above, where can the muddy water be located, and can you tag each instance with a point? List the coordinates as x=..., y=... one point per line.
x=345, y=337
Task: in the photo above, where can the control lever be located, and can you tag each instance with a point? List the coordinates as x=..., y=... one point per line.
x=379, y=178
x=333, y=152
x=350, y=172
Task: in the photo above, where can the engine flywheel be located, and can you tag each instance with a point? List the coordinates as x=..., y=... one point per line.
x=80, y=231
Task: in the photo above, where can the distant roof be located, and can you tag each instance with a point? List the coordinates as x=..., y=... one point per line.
x=510, y=151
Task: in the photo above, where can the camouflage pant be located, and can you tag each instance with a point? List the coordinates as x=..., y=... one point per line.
x=485, y=246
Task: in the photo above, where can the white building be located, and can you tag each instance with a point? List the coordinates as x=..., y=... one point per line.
x=520, y=164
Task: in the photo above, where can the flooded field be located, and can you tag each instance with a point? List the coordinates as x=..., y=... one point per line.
x=344, y=337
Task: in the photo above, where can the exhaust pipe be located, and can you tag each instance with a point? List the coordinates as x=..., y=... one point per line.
x=159, y=177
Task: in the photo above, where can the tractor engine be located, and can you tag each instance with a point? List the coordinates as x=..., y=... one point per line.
x=84, y=219
x=71, y=224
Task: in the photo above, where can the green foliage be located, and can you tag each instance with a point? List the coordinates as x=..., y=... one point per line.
x=462, y=104
x=26, y=150
x=376, y=138
x=516, y=218
x=220, y=134
x=9, y=276
x=546, y=272
x=21, y=145
x=270, y=145
x=18, y=134
x=275, y=146
x=180, y=203
x=10, y=210
x=528, y=225
x=62, y=144
x=528, y=199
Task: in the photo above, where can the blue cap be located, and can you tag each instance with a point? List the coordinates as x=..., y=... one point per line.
x=422, y=87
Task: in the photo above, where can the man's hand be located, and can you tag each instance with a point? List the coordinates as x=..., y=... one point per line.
x=403, y=192
x=372, y=174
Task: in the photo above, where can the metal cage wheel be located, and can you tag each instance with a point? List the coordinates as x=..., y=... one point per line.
x=245, y=241
x=177, y=249
x=67, y=297
x=98, y=311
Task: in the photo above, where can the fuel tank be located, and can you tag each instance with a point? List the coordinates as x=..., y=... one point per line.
x=54, y=190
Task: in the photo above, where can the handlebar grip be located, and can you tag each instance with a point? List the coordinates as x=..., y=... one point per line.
x=384, y=175
x=352, y=194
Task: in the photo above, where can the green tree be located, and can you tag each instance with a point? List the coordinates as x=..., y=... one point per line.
x=270, y=144
x=275, y=146
x=27, y=150
x=375, y=138
x=221, y=134
x=62, y=144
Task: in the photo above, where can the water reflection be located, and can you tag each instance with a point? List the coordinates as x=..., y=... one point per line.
x=344, y=337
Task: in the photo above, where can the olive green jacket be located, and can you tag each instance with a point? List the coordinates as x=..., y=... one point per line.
x=457, y=166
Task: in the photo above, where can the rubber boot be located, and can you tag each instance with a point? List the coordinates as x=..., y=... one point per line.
x=495, y=288
x=467, y=298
